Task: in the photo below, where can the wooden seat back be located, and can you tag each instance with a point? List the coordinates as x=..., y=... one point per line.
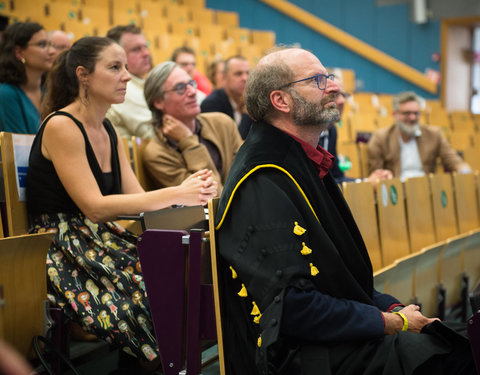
x=444, y=213
x=466, y=202
x=15, y=150
x=427, y=278
x=138, y=147
x=392, y=220
x=24, y=285
x=402, y=279
x=212, y=209
x=451, y=270
x=360, y=198
x=471, y=257
x=381, y=278
x=418, y=201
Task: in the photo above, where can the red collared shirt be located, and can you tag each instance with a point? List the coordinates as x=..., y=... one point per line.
x=320, y=157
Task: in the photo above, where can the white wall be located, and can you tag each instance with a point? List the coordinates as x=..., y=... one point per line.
x=458, y=69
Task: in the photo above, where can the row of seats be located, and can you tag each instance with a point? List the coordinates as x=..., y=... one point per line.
x=429, y=210
x=415, y=278
x=438, y=277
x=401, y=218
x=445, y=195
x=378, y=113
x=166, y=24
x=381, y=107
x=398, y=219
x=461, y=129
x=370, y=121
x=459, y=250
x=468, y=145
x=15, y=149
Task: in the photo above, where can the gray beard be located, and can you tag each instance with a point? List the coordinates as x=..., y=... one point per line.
x=305, y=113
x=409, y=131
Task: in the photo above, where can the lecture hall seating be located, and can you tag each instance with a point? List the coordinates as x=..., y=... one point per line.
x=421, y=226
x=361, y=200
x=15, y=149
x=392, y=220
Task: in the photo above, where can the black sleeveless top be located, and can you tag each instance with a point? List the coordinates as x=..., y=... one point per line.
x=45, y=192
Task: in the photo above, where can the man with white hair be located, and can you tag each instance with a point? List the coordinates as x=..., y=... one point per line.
x=409, y=149
x=295, y=277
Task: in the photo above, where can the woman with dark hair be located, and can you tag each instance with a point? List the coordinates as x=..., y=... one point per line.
x=25, y=55
x=78, y=179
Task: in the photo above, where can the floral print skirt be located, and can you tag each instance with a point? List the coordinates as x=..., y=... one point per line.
x=94, y=274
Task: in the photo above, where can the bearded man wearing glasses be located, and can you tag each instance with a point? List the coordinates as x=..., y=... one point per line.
x=409, y=149
x=186, y=141
x=295, y=280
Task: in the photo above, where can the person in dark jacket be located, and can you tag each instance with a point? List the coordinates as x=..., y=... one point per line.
x=296, y=281
x=229, y=99
x=328, y=141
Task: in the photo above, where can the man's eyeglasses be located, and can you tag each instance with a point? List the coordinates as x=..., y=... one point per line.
x=410, y=113
x=181, y=87
x=321, y=80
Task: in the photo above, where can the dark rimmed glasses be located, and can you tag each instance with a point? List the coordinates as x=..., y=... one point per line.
x=181, y=87
x=321, y=80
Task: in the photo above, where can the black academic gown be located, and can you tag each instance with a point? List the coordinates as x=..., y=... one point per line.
x=271, y=193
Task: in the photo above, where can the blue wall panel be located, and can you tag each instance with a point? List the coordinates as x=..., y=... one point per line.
x=360, y=18
x=387, y=28
x=424, y=41
x=392, y=31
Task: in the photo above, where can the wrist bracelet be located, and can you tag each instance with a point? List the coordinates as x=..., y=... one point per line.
x=405, y=320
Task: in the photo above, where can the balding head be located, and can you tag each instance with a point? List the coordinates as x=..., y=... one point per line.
x=272, y=72
x=292, y=90
x=61, y=41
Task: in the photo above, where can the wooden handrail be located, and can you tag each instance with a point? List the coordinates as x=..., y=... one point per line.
x=354, y=44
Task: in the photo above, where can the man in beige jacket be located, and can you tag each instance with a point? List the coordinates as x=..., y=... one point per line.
x=186, y=141
x=409, y=149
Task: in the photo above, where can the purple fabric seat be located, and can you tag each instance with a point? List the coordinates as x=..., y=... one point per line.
x=181, y=305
